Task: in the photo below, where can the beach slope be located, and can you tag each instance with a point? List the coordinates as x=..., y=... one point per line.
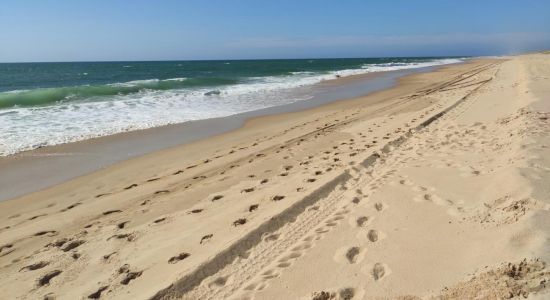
x=436, y=188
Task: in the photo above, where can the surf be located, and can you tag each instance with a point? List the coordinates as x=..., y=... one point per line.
x=45, y=96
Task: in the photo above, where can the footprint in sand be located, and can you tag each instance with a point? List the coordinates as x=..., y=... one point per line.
x=63, y=210
x=361, y=221
x=159, y=220
x=112, y=212
x=48, y=233
x=128, y=236
x=97, y=294
x=107, y=256
x=247, y=190
x=35, y=266
x=45, y=280
x=373, y=235
x=121, y=225
x=72, y=245
x=179, y=257
x=349, y=255
x=57, y=243
x=421, y=189
x=347, y=293
x=379, y=206
x=239, y=222
x=343, y=294
x=432, y=198
x=206, y=238
x=130, y=276
x=161, y=192
x=217, y=197
x=131, y=186
x=378, y=271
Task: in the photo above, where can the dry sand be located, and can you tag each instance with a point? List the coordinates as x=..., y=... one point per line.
x=437, y=188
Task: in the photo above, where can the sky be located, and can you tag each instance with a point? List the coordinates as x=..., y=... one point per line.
x=107, y=30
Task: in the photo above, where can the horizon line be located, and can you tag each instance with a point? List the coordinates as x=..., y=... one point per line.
x=248, y=59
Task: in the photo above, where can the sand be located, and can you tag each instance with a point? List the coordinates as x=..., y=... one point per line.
x=31, y=171
x=436, y=188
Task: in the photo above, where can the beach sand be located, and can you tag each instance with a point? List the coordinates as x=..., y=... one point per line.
x=436, y=188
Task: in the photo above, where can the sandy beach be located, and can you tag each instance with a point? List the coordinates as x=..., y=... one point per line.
x=31, y=171
x=436, y=188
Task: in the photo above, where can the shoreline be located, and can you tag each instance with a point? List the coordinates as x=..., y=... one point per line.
x=322, y=202
x=186, y=98
x=34, y=170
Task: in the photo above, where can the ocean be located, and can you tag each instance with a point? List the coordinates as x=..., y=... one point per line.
x=44, y=104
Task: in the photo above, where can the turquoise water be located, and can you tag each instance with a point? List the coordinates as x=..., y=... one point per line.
x=52, y=103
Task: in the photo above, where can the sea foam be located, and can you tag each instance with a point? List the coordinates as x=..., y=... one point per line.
x=152, y=103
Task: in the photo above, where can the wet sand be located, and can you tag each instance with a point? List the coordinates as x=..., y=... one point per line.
x=31, y=171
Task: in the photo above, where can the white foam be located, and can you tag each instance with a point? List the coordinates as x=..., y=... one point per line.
x=32, y=127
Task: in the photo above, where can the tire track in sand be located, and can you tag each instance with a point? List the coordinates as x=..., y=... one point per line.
x=272, y=242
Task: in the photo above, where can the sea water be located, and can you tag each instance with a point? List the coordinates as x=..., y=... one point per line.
x=44, y=104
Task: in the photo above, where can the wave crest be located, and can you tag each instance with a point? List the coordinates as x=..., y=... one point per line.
x=45, y=96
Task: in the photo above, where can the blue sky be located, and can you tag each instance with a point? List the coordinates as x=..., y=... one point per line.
x=89, y=30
